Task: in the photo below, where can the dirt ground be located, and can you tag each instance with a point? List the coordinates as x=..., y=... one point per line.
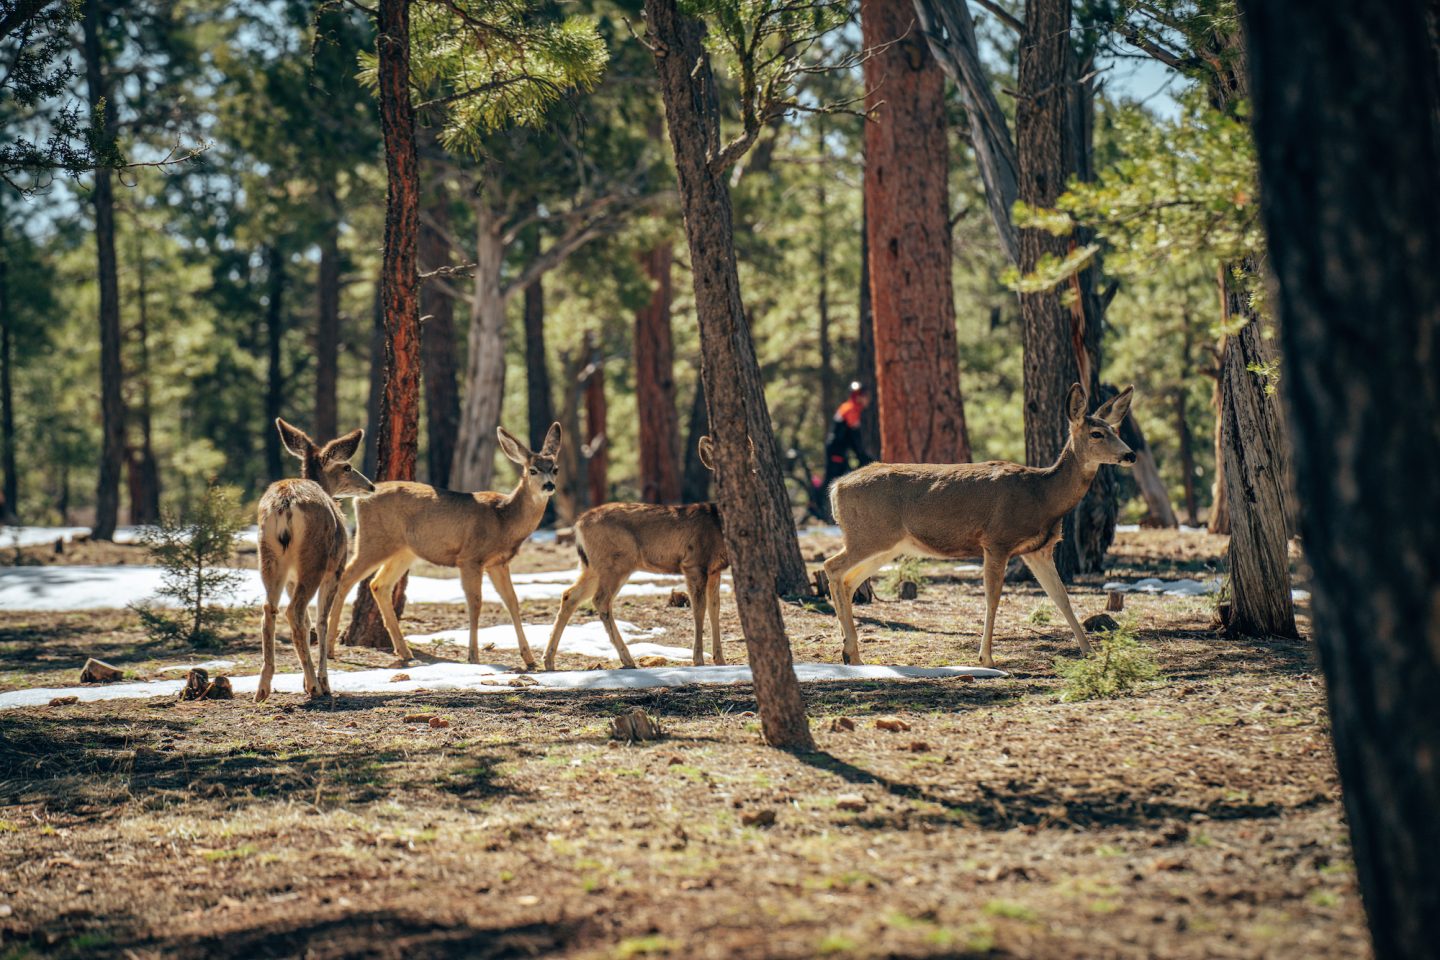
x=1200, y=818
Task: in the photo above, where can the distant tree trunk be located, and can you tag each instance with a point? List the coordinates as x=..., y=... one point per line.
x=485, y=360
x=540, y=407
x=399, y=433
x=597, y=442
x=922, y=414
x=865, y=345
x=145, y=485
x=696, y=486
x=274, y=360
x=1159, y=512
x=327, y=326
x=1183, y=436
x=1219, y=504
x=570, y=486
x=655, y=385
x=112, y=374
x=829, y=388
x=377, y=380
x=10, y=492
x=1256, y=478
x=1362, y=387
x=756, y=519
x=437, y=337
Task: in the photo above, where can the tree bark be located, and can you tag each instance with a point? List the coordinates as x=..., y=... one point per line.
x=399, y=434
x=484, y=395
x=274, y=360
x=145, y=472
x=755, y=518
x=829, y=388
x=597, y=463
x=377, y=379
x=1159, y=512
x=327, y=325
x=1256, y=475
x=1346, y=105
x=112, y=374
x=1219, y=522
x=540, y=407
x=10, y=491
x=570, y=483
x=655, y=384
x=696, y=485
x=922, y=414
x=437, y=337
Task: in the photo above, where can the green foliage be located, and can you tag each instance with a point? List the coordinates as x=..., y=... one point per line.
x=1120, y=665
x=903, y=570
x=194, y=551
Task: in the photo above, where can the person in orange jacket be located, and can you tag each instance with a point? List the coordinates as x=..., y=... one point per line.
x=844, y=436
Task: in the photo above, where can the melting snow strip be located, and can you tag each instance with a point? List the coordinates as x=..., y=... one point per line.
x=1179, y=588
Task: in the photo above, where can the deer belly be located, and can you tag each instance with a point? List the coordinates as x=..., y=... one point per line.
x=944, y=545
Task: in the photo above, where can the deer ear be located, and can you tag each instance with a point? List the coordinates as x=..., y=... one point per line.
x=297, y=441
x=512, y=448
x=551, y=446
x=706, y=447
x=1075, y=403
x=1114, y=410
x=342, y=448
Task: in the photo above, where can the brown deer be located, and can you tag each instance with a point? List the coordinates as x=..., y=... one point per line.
x=478, y=533
x=303, y=544
x=617, y=539
x=997, y=510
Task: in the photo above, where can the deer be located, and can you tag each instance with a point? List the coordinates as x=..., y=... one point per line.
x=996, y=510
x=303, y=544
x=478, y=533
x=616, y=539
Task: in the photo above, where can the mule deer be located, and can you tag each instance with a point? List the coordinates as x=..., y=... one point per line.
x=997, y=510
x=617, y=539
x=477, y=532
x=303, y=544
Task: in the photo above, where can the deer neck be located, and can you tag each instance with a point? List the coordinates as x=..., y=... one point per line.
x=312, y=470
x=523, y=507
x=1068, y=480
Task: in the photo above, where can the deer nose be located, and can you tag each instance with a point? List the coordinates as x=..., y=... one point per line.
x=548, y=487
x=1128, y=457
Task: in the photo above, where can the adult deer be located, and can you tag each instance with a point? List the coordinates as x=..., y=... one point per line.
x=617, y=539
x=997, y=510
x=303, y=544
x=478, y=533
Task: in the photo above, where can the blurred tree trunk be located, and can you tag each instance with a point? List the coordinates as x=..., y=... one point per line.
x=1219, y=522
x=274, y=360
x=145, y=472
x=570, y=485
x=377, y=380
x=597, y=443
x=484, y=397
x=655, y=384
x=399, y=433
x=752, y=494
x=1184, y=440
x=865, y=347
x=10, y=491
x=327, y=326
x=1158, y=511
x=437, y=334
x=829, y=387
x=112, y=374
x=1347, y=126
x=540, y=407
x=696, y=485
x=922, y=413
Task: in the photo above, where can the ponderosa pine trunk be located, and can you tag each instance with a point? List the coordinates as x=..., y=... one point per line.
x=437, y=336
x=754, y=516
x=10, y=491
x=399, y=434
x=484, y=393
x=377, y=380
x=540, y=407
x=696, y=483
x=274, y=360
x=655, y=384
x=327, y=321
x=1346, y=101
x=907, y=162
x=112, y=373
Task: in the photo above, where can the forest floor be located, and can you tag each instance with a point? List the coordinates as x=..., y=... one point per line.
x=1199, y=818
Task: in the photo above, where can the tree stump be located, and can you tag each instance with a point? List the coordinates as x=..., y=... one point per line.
x=98, y=671
x=678, y=598
x=1114, y=601
x=909, y=589
x=1100, y=623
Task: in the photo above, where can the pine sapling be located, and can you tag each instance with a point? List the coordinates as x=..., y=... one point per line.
x=194, y=550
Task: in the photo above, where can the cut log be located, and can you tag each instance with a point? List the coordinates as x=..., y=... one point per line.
x=98, y=671
x=1114, y=601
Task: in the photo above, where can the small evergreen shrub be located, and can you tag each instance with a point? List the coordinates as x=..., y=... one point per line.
x=194, y=549
x=1119, y=665
x=905, y=569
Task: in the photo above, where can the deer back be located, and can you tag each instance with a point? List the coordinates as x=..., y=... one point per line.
x=301, y=526
x=654, y=538
x=445, y=527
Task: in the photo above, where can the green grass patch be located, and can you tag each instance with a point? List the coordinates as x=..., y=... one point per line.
x=1120, y=665
x=1011, y=910
x=646, y=947
x=234, y=853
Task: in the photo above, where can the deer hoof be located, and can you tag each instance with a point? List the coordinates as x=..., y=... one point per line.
x=262, y=694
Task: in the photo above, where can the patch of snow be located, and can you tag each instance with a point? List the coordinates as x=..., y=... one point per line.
x=102, y=587
x=1179, y=588
x=543, y=536
x=460, y=676
x=1135, y=528
x=36, y=536
x=203, y=665
x=585, y=639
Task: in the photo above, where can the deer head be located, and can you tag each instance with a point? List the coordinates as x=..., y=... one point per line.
x=329, y=466
x=537, y=470
x=1094, y=437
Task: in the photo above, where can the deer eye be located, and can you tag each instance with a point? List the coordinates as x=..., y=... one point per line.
x=533, y=471
x=1096, y=435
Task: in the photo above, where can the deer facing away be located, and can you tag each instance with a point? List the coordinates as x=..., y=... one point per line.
x=616, y=539
x=997, y=510
x=478, y=533
x=303, y=544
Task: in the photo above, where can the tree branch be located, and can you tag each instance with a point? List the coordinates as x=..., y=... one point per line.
x=1003, y=15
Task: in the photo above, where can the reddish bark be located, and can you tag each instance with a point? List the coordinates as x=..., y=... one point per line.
x=655, y=385
x=922, y=414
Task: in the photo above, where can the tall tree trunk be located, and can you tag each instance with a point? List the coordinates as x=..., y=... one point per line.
x=755, y=518
x=1346, y=105
x=484, y=392
x=597, y=442
x=327, y=326
x=10, y=492
x=829, y=387
x=1183, y=437
x=1158, y=511
x=145, y=486
x=1256, y=476
x=1219, y=522
x=112, y=374
x=399, y=435
x=540, y=405
x=437, y=336
x=570, y=485
x=274, y=360
x=696, y=485
x=922, y=414
x=865, y=344
x=377, y=380
x=655, y=384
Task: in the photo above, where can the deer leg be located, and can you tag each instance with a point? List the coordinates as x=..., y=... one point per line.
x=382, y=588
x=355, y=571
x=698, y=589
x=835, y=569
x=712, y=604
x=273, y=586
x=570, y=601
x=472, y=580
x=500, y=576
x=994, y=583
x=299, y=616
x=1042, y=564
x=326, y=599
x=604, y=598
